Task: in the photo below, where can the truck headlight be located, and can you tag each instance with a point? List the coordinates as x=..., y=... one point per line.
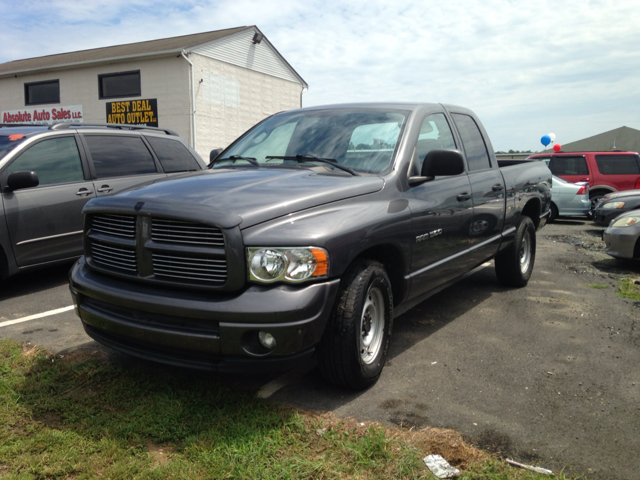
x=288, y=264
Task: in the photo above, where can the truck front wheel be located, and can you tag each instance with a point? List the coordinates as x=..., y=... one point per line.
x=514, y=265
x=354, y=346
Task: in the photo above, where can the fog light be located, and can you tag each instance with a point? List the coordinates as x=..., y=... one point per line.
x=266, y=340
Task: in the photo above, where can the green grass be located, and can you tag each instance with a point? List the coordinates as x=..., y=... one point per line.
x=81, y=417
x=628, y=289
x=597, y=286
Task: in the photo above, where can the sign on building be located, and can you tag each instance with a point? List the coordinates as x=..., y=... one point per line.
x=44, y=116
x=134, y=112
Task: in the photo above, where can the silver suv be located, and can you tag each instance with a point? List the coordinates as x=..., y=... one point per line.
x=48, y=173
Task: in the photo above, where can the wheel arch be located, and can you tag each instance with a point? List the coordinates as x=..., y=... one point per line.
x=532, y=209
x=393, y=262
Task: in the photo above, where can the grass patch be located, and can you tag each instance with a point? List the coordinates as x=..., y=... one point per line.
x=82, y=417
x=629, y=289
x=597, y=286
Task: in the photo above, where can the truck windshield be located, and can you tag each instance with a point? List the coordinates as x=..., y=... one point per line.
x=9, y=142
x=362, y=140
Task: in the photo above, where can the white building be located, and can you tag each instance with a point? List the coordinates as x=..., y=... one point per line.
x=208, y=87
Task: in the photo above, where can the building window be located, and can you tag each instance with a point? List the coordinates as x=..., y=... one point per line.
x=42, y=92
x=122, y=84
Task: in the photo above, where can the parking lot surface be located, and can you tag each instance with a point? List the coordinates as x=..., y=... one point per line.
x=546, y=375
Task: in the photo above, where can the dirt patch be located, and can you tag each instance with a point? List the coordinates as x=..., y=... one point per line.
x=428, y=441
x=160, y=454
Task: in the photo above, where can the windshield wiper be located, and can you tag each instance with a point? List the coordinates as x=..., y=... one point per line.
x=311, y=158
x=233, y=159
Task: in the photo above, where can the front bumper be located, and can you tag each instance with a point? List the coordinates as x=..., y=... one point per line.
x=208, y=331
x=603, y=217
x=620, y=242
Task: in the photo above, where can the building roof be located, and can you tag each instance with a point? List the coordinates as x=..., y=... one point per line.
x=623, y=138
x=148, y=49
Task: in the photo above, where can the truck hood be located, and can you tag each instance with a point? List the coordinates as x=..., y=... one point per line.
x=239, y=196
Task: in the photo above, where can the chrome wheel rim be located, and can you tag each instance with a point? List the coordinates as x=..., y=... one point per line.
x=372, y=325
x=525, y=252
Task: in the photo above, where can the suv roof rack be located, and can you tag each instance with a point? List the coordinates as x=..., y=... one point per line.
x=120, y=126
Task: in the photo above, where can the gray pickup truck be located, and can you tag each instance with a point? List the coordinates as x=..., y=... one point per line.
x=307, y=236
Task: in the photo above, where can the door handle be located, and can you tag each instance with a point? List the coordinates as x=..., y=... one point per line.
x=105, y=188
x=463, y=196
x=497, y=187
x=83, y=192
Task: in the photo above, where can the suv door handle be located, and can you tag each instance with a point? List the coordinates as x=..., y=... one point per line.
x=83, y=192
x=105, y=188
x=497, y=187
x=463, y=196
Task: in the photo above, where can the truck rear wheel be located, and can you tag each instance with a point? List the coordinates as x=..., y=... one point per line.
x=354, y=346
x=514, y=265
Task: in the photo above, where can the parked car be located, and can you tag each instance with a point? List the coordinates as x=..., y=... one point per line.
x=569, y=199
x=48, y=173
x=622, y=236
x=605, y=172
x=305, y=237
x=613, y=205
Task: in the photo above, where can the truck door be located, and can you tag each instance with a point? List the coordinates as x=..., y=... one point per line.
x=487, y=188
x=441, y=211
x=44, y=222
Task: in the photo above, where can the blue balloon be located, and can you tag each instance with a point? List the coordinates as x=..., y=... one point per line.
x=545, y=140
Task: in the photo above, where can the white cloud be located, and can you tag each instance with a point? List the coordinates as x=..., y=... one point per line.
x=527, y=68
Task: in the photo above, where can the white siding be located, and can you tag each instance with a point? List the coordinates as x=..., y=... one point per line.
x=166, y=79
x=240, y=50
x=231, y=99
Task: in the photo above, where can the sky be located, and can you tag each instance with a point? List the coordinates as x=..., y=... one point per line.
x=526, y=68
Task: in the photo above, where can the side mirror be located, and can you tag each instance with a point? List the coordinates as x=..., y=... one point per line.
x=19, y=180
x=214, y=154
x=443, y=162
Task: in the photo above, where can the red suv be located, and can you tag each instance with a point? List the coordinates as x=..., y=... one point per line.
x=606, y=172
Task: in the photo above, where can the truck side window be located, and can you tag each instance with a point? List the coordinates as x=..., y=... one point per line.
x=55, y=161
x=119, y=156
x=474, y=146
x=435, y=133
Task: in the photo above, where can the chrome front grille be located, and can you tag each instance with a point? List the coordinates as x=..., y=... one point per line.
x=157, y=250
x=116, y=257
x=117, y=225
x=180, y=268
x=175, y=231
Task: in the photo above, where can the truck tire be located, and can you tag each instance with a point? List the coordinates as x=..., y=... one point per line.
x=514, y=265
x=354, y=346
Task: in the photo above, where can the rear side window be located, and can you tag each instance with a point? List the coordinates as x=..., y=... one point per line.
x=618, y=164
x=474, y=147
x=55, y=161
x=118, y=156
x=568, y=166
x=173, y=155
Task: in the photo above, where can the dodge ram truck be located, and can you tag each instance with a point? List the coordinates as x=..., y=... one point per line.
x=306, y=237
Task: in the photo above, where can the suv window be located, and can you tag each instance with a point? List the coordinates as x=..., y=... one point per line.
x=568, y=166
x=55, y=161
x=474, y=147
x=173, y=155
x=618, y=164
x=117, y=156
